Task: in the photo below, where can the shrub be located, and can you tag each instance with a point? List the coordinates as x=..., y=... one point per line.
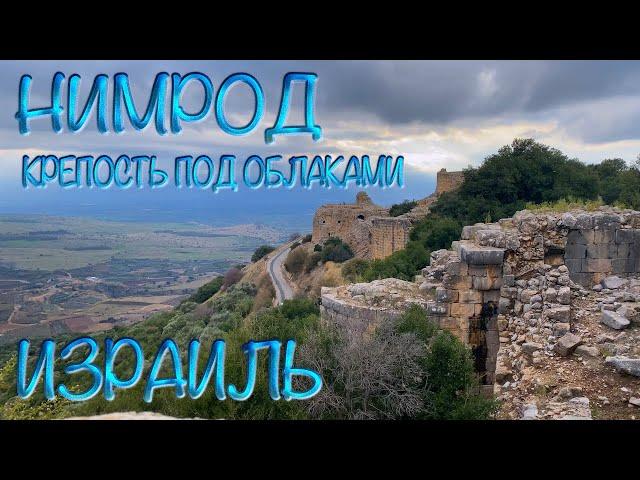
x=452, y=382
x=261, y=251
x=335, y=250
x=231, y=277
x=207, y=290
x=317, y=247
x=402, y=208
x=294, y=245
x=296, y=261
x=306, y=238
x=312, y=262
x=565, y=205
x=403, y=264
x=353, y=270
x=435, y=232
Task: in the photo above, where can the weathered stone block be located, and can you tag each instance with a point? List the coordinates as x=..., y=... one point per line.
x=559, y=314
x=508, y=280
x=509, y=292
x=606, y=221
x=607, y=250
x=453, y=268
x=446, y=295
x=477, y=270
x=630, y=366
x=491, y=238
x=584, y=279
x=587, y=351
x=614, y=320
x=448, y=323
x=452, y=281
x=626, y=236
x=550, y=295
x=438, y=309
x=530, y=348
x=574, y=264
x=525, y=296
x=602, y=265
x=624, y=250
x=604, y=236
x=454, y=309
x=491, y=296
x=463, y=310
x=504, y=305
x=456, y=282
x=575, y=251
x=560, y=328
x=486, y=283
x=477, y=255
x=580, y=237
x=469, y=232
x=614, y=281
x=564, y=295
x=567, y=344
x=470, y=296
x=584, y=221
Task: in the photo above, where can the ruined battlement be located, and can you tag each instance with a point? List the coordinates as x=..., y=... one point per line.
x=361, y=307
x=350, y=222
x=368, y=228
x=448, y=181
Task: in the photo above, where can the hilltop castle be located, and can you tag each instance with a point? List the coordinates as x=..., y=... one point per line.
x=368, y=228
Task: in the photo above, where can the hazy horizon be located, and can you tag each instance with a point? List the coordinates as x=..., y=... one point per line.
x=436, y=114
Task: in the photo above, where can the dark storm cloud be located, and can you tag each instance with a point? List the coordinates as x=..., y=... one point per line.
x=445, y=92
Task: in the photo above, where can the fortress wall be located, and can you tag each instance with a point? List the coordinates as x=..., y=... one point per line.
x=388, y=235
x=601, y=248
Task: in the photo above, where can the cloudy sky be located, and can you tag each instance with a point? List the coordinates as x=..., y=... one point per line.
x=437, y=114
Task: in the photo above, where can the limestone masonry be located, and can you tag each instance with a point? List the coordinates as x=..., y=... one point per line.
x=368, y=228
x=520, y=290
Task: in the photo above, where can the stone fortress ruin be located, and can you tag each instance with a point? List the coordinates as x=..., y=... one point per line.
x=508, y=289
x=368, y=228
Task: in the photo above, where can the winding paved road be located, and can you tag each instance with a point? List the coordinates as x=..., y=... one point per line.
x=275, y=267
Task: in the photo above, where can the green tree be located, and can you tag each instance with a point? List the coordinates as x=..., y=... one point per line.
x=207, y=290
x=401, y=208
x=261, y=251
x=335, y=250
x=353, y=270
x=296, y=261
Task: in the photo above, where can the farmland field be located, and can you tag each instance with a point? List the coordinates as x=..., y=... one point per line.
x=62, y=274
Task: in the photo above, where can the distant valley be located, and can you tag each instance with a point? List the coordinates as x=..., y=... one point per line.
x=76, y=274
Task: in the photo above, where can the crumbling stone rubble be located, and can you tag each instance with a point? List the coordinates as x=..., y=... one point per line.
x=542, y=265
